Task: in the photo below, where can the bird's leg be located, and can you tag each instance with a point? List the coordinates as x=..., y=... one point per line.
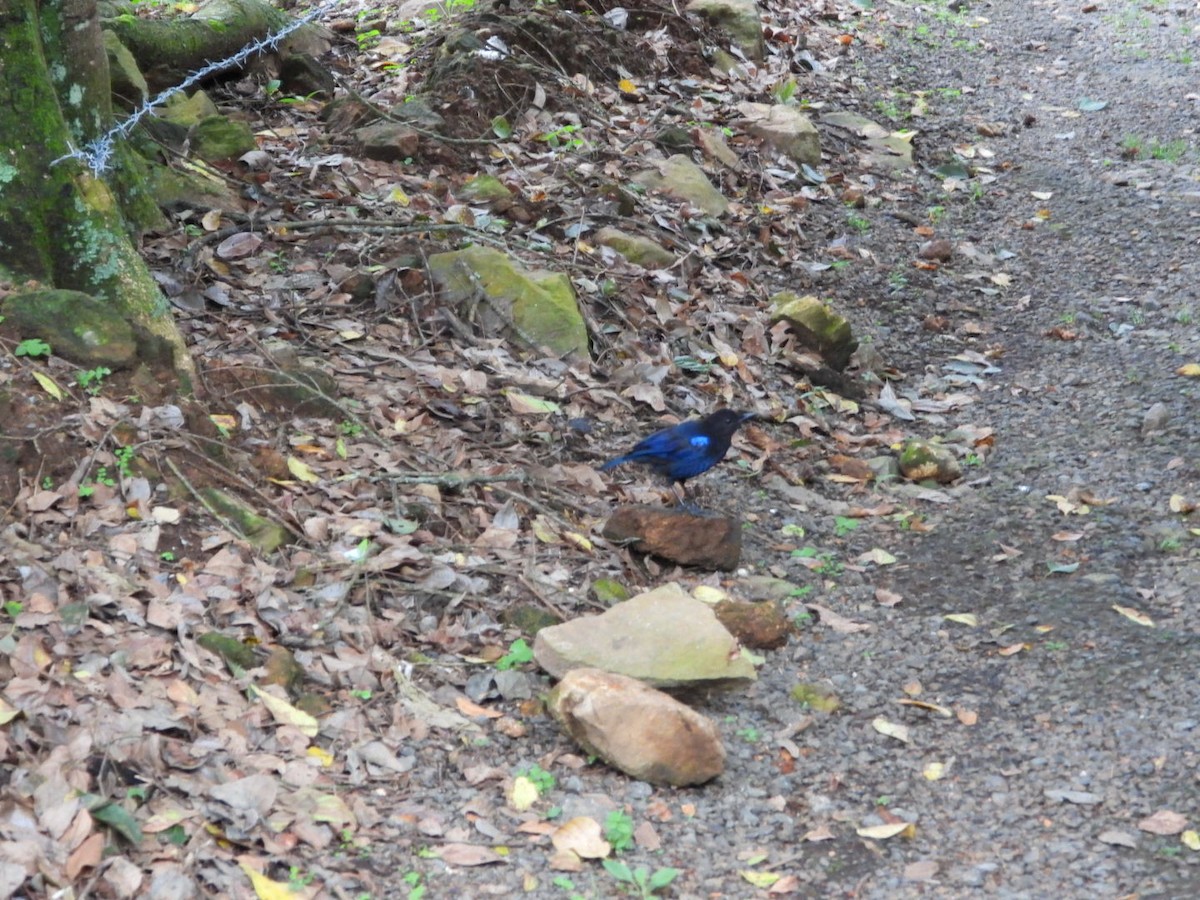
x=681, y=494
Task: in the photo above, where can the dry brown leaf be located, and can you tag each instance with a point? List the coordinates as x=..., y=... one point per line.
x=1164, y=822
x=582, y=836
x=837, y=622
x=468, y=855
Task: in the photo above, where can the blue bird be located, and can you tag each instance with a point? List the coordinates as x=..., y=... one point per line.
x=685, y=450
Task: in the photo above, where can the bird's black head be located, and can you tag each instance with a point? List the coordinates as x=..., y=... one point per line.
x=726, y=421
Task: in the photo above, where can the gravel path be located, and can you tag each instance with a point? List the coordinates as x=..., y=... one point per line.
x=1071, y=723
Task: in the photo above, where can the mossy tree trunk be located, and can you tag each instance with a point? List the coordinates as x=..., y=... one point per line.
x=60, y=224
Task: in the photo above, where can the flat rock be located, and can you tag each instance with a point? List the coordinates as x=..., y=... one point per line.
x=664, y=637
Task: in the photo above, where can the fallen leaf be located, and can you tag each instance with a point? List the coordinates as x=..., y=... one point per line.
x=926, y=705
x=891, y=729
x=963, y=619
x=1011, y=649
x=1189, y=370
x=838, y=623
x=759, y=879
x=1134, y=616
x=49, y=385
x=934, y=771
x=468, y=855
x=582, y=836
x=266, y=889
x=523, y=793
x=1163, y=822
x=286, y=714
x=888, y=598
x=1117, y=838
x=1190, y=839
x=888, y=831
x=301, y=471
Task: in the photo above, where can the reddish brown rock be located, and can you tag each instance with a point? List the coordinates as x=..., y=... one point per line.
x=687, y=538
x=759, y=626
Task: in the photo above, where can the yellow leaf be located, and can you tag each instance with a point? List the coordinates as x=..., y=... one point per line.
x=7, y=713
x=883, y=832
x=397, y=195
x=223, y=422
x=574, y=537
x=1180, y=504
x=286, y=714
x=1191, y=370
x=523, y=794
x=266, y=889
x=321, y=755
x=710, y=595
x=1190, y=839
x=759, y=879
x=1134, y=616
x=1011, y=649
x=625, y=86
x=925, y=704
x=934, y=771
x=301, y=471
x=963, y=619
x=48, y=385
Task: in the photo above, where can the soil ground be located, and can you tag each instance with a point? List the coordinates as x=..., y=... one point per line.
x=1069, y=668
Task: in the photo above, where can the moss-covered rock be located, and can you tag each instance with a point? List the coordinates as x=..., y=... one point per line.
x=77, y=326
x=536, y=307
x=818, y=326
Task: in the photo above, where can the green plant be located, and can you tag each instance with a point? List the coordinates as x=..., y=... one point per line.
x=13, y=608
x=298, y=879
x=124, y=457
x=859, y=223
x=749, y=734
x=562, y=136
x=1055, y=646
x=827, y=563
x=936, y=213
x=416, y=890
x=803, y=619
x=47, y=483
x=1185, y=316
x=167, y=556
x=640, y=881
x=542, y=780
x=92, y=379
x=1170, y=545
x=784, y=93
x=843, y=525
x=618, y=830
x=32, y=347
x=897, y=280
x=519, y=653
x=351, y=429
x=368, y=39
x=1170, y=151
x=362, y=694
x=837, y=265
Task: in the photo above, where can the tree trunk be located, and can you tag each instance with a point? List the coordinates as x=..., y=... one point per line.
x=58, y=222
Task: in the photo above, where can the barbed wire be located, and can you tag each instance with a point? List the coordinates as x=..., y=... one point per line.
x=97, y=154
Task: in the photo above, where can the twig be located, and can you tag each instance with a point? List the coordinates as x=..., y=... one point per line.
x=453, y=481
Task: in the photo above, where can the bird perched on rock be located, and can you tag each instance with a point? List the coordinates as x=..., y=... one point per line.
x=685, y=450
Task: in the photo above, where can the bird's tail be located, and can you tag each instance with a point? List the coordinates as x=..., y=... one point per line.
x=613, y=463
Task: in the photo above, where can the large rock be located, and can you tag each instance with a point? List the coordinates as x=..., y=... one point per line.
x=682, y=179
x=663, y=637
x=785, y=129
x=643, y=732
x=739, y=18
x=886, y=151
x=77, y=326
x=687, y=538
x=536, y=307
x=641, y=251
x=818, y=327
